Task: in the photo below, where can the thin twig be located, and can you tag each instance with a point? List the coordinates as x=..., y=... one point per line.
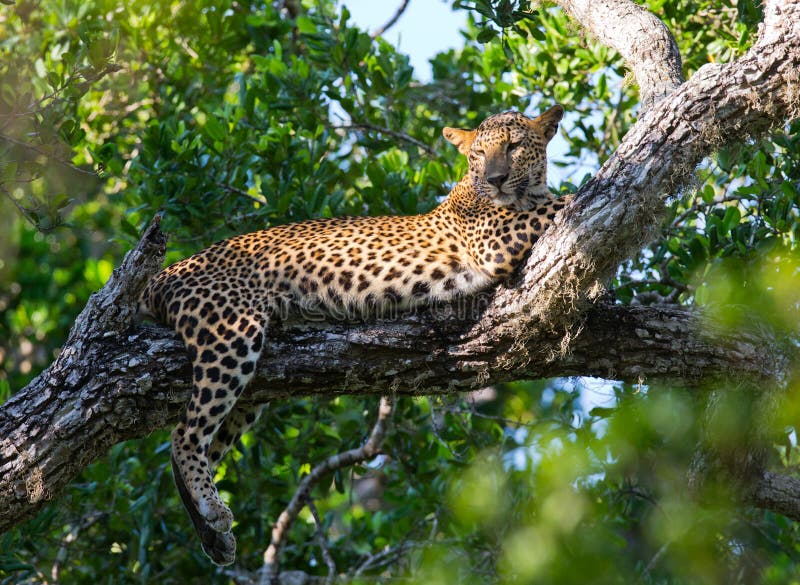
x=18, y=205
x=231, y=189
x=85, y=523
x=391, y=22
x=388, y=555
x=269, y=572
x=30, y=147
x=654, y=282
x=390, y=132
x=787, y=550
x=697, y=206
x=323, y=543
x=651, y=565
x=393, y=554
x=500, y=419
x=437, y=436
x=54, y=95
x=385, y=556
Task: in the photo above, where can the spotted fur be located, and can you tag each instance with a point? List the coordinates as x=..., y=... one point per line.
x=221, y=300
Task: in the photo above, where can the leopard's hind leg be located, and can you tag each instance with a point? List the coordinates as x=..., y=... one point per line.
x=224, y=357
x=236, y=424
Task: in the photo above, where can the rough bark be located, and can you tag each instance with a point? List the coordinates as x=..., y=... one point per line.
x=616, y=213
x=643, y=41
x=778, y=493
x=116, y=380
x=47, y=425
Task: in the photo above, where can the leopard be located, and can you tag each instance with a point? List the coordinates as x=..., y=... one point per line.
x=223, y=300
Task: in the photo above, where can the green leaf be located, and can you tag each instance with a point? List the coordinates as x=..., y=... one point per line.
x=707, y=194
x=486, y=35
x=537, y=33
x=724, y=159
x=759, y=164
x=129, y=228
x=215, y=129
x=790, y=191
x=54, y=79
x=602, y=87
x=306, y=26
x=9, y=172
x=731, y=218
x=698, y=250
x=61, y=201
x=602, y=412
x=105, y=152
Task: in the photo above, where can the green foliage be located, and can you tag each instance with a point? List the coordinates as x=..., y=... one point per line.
x=233, y=116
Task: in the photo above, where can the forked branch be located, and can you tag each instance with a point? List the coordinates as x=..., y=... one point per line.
x=640, y=37
x=616, y=213
x=269, y=572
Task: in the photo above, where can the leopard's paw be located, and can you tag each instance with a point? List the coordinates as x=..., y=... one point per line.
x=216, y=514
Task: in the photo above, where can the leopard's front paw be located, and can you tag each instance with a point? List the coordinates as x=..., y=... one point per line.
x=216, y=514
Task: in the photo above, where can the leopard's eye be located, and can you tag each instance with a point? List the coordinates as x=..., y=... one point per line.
x=512, y=146
x=479, y=151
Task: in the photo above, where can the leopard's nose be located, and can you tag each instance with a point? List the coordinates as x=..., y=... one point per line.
x=497, y=179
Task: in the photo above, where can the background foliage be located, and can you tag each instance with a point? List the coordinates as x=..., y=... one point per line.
x=232, y=115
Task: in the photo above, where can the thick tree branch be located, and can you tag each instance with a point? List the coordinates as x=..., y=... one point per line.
x=778, y=493
x=114, y=381
x=645, y=43
x=109, y=386
x=51, y=410
x=616, y=213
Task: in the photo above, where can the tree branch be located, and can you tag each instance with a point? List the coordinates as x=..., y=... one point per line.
x=616, y=213
x=388, y=132
x=115, y=381
x=643, y=40
x=280, y=529
x=391, y=22
x=778, y=493
x=37, y=150
x=323, y=543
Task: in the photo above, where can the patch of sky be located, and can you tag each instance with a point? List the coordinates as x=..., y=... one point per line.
x=423, y=30
x=428, y=28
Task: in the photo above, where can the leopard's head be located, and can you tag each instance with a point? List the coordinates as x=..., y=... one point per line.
x=507, y=156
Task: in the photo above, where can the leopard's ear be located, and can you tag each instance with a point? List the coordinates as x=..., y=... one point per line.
x=462, y=139
x=547, y=122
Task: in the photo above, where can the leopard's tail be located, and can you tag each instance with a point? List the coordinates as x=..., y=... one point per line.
x=220, y=547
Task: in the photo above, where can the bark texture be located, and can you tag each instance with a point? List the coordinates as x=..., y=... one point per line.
x=778, y=493
x=117, y=380
x=640, y=37
x=616, y=213
x=115, y=385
